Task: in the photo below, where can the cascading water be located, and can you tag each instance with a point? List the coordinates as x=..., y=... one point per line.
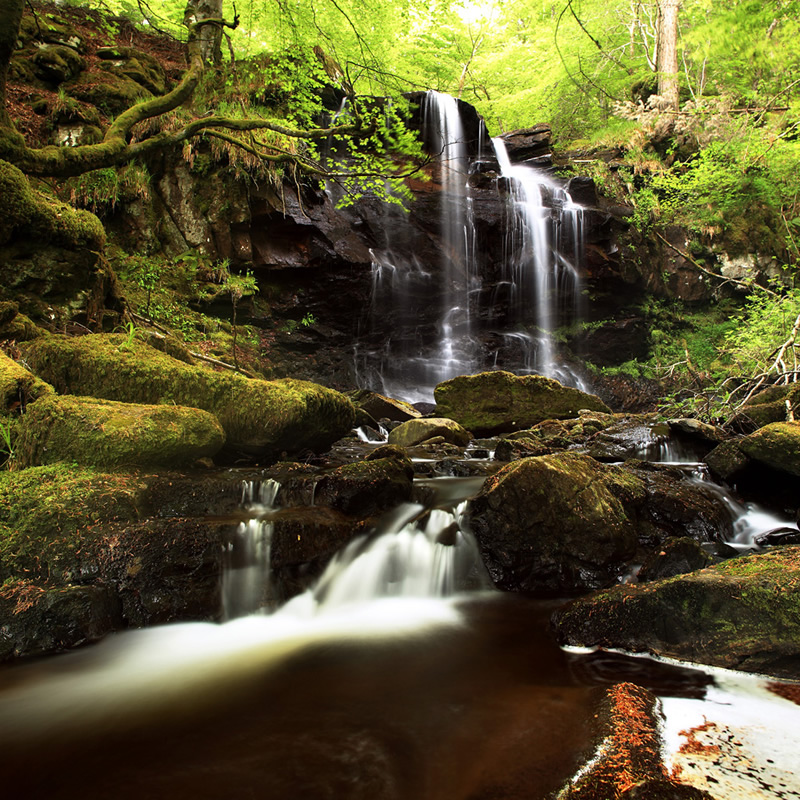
x=544, y=287
x=432, y=315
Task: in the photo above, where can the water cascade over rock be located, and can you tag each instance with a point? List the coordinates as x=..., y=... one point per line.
x=479, y=274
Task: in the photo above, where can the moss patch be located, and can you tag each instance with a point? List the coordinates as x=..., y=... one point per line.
x=112, y=434
x=777, y=445
x=262, y=417
x=499, y=402
x=18, y=386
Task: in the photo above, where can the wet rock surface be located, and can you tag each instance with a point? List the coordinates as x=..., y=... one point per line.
x=741, y=614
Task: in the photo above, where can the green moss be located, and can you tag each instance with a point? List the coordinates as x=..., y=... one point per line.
x=49, y=515
x=776, y=445
x=18, y=386
x=25, y=212
x=265, y=417
x=499, y=402
x=111, y=434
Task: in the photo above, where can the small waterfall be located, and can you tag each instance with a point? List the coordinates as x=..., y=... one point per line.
x=544, y=287
x=412, y=555
x=245, y=576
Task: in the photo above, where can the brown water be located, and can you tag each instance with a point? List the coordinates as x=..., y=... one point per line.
x=482, y=707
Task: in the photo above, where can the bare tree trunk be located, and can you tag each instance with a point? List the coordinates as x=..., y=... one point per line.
x=668, y=53
x=209, y=36
x=10, y=18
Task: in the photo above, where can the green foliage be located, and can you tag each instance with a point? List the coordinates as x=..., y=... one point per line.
x=102, y=189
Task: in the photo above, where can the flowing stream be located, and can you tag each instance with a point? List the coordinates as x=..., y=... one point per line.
x=373, y=684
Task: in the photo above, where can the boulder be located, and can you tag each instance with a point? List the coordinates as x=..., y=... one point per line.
x=36, y=621
x=556, y=523
x=499, y=402
x=767, y=406
x=105, y=433
x=380, y=407
x=727, y=460
x=416, y=431
x=777, y=445
x=262, y=418
x=680, y=555
x=567, y=523
x=741, y=614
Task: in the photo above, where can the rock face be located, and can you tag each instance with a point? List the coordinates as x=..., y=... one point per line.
x=566, y=523
x=259, y=417
x=110, y=434
x=741, y=614
x=499, y=402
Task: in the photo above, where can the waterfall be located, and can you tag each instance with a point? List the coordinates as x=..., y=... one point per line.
x=245, y=576
x=437, y=310
x=543, y=287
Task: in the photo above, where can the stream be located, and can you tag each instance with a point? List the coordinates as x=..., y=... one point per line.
x=387, y=679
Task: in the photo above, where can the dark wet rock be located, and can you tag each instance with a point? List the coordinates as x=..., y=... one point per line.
x=628, y=761
x=366, y=488
x=633, y=437
x=696, y=429
x=512, y=449
x=380, y=407
x=556, y=523
x=777, y=445
x=582, y=190
x=106, y=433
x=741, y=614
x=727, y=460
x=417, y=431
x=262, y=418
x=679, y=556
x=777, y=537
x=528, y=143
x=567, y=523
x=676, y=505
x=37, y=621
x=499, y=402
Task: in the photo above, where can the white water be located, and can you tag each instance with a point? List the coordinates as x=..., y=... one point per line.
x=543, y=285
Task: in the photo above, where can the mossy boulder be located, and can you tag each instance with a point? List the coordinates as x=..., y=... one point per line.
x=416, y=431
x=768, y=406
x=106, y=433
x=727, y=460
x=262, y=418
x=26, y=213
x=18, y=386
x=567, y=523
x=137, y=65
x=54, y=64
x=741, y=614
x=380, y=407
x=109, y=91
x=556, y=523
x=499, y=402
x=777, y=445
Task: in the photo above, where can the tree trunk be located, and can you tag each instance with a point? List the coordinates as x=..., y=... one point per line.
x=668, y=53
x=209, y=36
x=10, y=18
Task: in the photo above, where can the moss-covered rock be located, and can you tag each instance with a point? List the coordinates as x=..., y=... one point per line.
x=137, y=65
x=106, y=433
x=726, y=460
x=25, y=212
x=264, y=418
x=499, y=402
x=56, y=64
x=416, y=431
x=18, y=386
x=567, y=523
x=109, y=91
x=380, y=407
x=556, y=523
x=777, y=445
x=741, y=614
x=768, y=406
